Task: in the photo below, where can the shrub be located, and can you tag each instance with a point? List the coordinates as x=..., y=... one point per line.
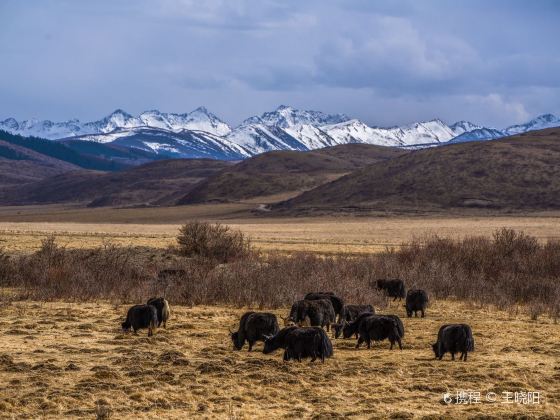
x=509, y=270
x=212, y=241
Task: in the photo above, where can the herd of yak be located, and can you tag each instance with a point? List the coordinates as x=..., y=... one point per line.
x=320, y=311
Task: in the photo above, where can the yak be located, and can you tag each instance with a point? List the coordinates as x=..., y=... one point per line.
x=253, y=327
x=141, y=316
x=348, y=314
x=393, y=288
x=372, y=327
x=337, y=302
x=416, y=300
x=299, y=343
x=319, y=312
x=454, y=338
x=162, y=307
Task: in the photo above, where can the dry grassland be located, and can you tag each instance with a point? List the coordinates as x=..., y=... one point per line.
x=70, y=359
x=320, y=235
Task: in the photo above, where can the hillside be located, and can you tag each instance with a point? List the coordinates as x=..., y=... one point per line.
x=143, y=185
x=286, y=171
x=19, y=165
x=514, y=173
x=75, y=153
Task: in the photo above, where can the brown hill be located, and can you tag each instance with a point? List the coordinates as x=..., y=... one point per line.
x=19, y=165
x=286, y=171
x=515, y=173
x=149, y=184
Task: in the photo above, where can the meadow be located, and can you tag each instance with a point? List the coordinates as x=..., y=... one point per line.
x=63, y=354
x=61, y=359
x=23, y=228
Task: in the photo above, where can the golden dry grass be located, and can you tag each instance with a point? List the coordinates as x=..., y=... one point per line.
x=67, y=359
x=321, y=235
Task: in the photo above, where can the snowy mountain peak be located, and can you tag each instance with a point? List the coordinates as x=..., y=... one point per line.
x=461, y=127
x=538, y=123
x=285, y=128
x=200, y=119
x=286, y=116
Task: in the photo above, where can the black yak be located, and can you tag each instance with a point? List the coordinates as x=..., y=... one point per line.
x=348, y=314
x=299, y=343
x=141, y=316
x=372, y=327
x=393, y=288
x=454, y=338
x=319, y=312
x=162, y=307
x=253, y=327
x=416, y=300
x=337, y=302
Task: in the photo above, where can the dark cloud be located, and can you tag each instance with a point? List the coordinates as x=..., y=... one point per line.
x=386, y=62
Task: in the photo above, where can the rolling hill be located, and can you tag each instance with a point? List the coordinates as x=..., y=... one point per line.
x=514, y=173
x=286, y=172
x=150, y=184
x=82, y=154
x=19, y=165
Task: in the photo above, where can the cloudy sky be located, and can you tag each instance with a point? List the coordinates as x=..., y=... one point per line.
x=385, y=62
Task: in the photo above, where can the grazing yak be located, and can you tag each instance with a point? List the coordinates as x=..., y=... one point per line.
x=253, y=327
x=299, y=343
x=319, y=312
x=141, y=316
x=162, y=307
x=393, y=288
x=337, y=302
x=416, y=300
x=454, y=338
x=372, y=327
x=348, y=314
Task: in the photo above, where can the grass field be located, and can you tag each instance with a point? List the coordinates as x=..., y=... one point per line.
x=158, y=227
x=70, y=359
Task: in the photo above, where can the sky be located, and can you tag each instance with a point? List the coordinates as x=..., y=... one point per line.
x=385, y=62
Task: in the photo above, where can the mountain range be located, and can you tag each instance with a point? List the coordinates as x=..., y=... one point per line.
x=201, y=134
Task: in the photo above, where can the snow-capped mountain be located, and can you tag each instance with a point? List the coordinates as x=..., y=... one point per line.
x=289, y=128
x=199, y=119
x=542, y=121
x=461, y=127
x=479, y=134
x=424, y=133
x=201, y=134
x=186, y=143
x=285, y=128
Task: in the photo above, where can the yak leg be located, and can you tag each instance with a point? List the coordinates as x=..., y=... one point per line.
x=368, y=341
x=251, y=345
x=360, y=341
x=423, y=314
x=452, y=356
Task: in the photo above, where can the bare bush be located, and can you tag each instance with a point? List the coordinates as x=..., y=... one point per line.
x=509, y=270
x=212, y=241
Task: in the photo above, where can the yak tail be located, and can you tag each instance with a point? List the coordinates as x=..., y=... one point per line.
x=402, y=291
x=153, y=325
x=326, y=345
x=165, y=312
x=470, y=339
